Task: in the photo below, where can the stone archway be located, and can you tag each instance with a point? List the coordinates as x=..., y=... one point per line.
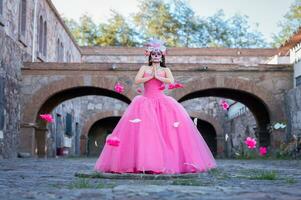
x=260, y=101
x=89, y=123
x=33, y=129
x=218, y=138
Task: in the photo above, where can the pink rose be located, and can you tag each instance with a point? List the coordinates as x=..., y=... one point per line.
x=262, y=151
x=250, y=142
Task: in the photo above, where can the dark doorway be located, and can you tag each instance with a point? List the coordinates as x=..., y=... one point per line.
x=98, y=133
x=209, y=134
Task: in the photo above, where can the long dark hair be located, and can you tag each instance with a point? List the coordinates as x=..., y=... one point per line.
x=162, y=63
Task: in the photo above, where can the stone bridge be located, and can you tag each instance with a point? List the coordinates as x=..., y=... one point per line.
x=260, y=87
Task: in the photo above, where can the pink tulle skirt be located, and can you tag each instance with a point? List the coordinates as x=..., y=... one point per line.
x=155, y=135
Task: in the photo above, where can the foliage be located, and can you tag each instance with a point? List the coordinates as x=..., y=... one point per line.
x=290, y=24
x=117, y=32
x=85, y=32
x=155, y=19
x=175, y=23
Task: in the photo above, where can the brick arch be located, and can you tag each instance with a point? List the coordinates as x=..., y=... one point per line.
x=260, y=101
x=36, y=102
x=49, y=96
x=226, y=82
x=89, y=123
x=98, y=116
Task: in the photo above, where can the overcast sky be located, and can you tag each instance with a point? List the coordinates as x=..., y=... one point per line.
x=267, y=13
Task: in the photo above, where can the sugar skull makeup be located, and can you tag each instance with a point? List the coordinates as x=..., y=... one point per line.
x=156, y=56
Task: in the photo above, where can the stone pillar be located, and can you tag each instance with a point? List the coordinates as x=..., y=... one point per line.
x=83, y=145
x=220, y=146
x=277, y=138
x=40, y=136
x=27, y=139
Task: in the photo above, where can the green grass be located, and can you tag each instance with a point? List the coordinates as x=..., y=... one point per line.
x=80, y=184
x=219, y=174
x=84, y=183
x=264, y=175
x=187, y=182
x=290, y=180
x=259, y=174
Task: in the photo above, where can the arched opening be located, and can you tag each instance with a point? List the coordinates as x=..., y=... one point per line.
x=59, y=97
x=98, y=133
x=257, y=106
x=208, y=133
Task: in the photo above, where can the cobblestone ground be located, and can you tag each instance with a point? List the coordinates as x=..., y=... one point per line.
x=73, y=178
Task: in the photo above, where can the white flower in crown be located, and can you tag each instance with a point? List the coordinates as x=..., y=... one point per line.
x=155, y=44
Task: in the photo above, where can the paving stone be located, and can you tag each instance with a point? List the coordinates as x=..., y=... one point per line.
x=58, y=178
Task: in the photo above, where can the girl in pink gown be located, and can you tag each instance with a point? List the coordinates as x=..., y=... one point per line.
x=155, y=134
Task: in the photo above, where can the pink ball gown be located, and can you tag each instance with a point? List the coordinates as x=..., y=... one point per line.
x=155, y=135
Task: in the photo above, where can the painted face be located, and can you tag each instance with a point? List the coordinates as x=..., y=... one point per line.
x=156, y=56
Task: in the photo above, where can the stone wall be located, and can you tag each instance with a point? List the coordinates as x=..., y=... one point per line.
x=55, y=29
x=293, y=108
x=10, y=76
x=82, y=110
x=238, y=129
x=179, y=55
x=14, y=50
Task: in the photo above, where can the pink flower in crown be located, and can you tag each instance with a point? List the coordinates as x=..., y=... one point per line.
x=47, y=117
x=113, y=141
x=250, y=142
x=262, y=151
x=119, y=88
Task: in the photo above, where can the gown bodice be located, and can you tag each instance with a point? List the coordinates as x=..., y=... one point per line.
x=153, y=87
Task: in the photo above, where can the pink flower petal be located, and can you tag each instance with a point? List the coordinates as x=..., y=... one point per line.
x=139, y=90
x=113, y=140
x=47, y=117
x=171, y=86
x=178, y=85
x=119, y=88
x=162, y=87
x=175, y=85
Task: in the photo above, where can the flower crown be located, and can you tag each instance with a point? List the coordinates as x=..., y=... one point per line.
x=155, y=45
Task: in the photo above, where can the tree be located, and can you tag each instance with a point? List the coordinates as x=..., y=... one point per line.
x=189, y=25
x=241, y=35
x=175, y=23
x=88, y=29
x=154, y=19
x=85, y=32
x=74, y=28
x=117, y=32
x=233, y=32
x=290, y=24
